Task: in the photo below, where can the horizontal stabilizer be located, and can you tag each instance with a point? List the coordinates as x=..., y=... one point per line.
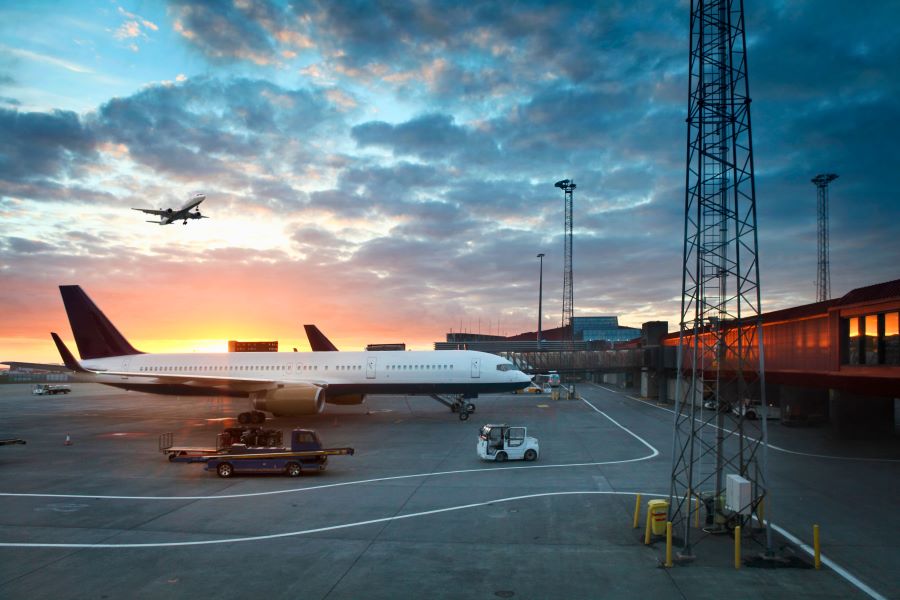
x=67, y=357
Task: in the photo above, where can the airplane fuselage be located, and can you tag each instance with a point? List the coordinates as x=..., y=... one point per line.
x=341, y=373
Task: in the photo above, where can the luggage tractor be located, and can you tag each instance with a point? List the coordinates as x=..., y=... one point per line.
x=502, y=442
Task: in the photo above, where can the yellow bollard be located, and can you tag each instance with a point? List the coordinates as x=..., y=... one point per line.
x=697, y=514
x=761, y=511
x=668, y=544
x=816, y=546
x=647, y=530
x=637, y=511
x=737, y=547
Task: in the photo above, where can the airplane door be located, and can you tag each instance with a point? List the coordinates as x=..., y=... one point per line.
x=370, y=367
x=476, y=368
x=125, y=364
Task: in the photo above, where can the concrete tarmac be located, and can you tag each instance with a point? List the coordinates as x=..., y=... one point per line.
x=414, y=514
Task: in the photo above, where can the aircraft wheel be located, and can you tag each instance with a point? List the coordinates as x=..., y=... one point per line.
x=293, y=470
x=501, y=457
x=258, y=417
x=470, y=407
x=463, y=416
x=244, y=418
x=530, y=455
x=225, y=470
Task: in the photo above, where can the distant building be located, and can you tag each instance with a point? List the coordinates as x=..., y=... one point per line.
x=236, y=346
x=384, y=347
x=606, y=329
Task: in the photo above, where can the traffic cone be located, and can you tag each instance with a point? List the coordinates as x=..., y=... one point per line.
x=68, y=440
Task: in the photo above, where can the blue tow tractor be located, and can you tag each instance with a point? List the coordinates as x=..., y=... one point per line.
x=232, y=455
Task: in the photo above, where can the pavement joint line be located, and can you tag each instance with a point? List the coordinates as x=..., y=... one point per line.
x=322, y=529
x=846, y=575
x=772, y=446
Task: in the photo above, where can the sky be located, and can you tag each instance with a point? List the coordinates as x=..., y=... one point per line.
x=385, y=170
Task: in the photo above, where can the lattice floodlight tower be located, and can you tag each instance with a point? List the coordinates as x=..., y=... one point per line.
x=568, y=310
x=823, y=272
x=720, y=409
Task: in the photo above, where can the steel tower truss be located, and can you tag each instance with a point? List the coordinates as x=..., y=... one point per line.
x=720, y=351
x=823, y=273
x=568, y=311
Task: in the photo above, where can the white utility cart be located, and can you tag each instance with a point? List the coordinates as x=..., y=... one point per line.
x=502, y=442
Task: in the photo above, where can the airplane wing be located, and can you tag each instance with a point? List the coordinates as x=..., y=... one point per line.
x=14, y=364
x=151, y=212
x=243, y=384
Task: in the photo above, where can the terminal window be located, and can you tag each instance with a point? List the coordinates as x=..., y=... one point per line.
x=871, y=339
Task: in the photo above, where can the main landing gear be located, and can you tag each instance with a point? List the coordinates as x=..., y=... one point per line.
x=256, y=417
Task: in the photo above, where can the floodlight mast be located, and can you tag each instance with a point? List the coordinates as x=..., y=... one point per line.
x=823, y=272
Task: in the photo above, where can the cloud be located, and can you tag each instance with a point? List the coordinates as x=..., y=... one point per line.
x=238, y=31
x=42, y=145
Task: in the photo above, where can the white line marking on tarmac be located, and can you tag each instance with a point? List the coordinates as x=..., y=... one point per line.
x=772, y=446
x=654, y=453
x=849, y=577
x=834, y=566
x=636, y=436
x=319, y=529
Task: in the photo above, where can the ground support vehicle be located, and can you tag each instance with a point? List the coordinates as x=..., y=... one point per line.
x=305, y=454
x=502, y=442
x=534, y=388
x=47, y=389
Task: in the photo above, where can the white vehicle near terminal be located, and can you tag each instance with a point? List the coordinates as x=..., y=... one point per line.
x=502, y=442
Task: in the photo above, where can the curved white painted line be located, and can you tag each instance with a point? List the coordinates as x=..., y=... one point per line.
x=772, y=446
x=654, y=453
x=273, y=536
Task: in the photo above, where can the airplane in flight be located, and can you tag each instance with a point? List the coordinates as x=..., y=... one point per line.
x=169, y=216
x=281, y=383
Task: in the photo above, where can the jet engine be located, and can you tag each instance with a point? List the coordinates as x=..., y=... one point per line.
x=291, y=400
x=346, y=399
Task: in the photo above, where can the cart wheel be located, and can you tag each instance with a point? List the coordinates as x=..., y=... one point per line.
x=225, y=470
x=501, y=456
x=293, y=470
x=470, y=407
x=463, y=416
x=530, y=455
x=171, y=457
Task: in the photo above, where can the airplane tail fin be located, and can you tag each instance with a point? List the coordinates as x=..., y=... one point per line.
x=68, y=359
x=317, y=340
x=95, y=335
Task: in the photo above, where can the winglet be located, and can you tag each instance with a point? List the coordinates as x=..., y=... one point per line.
x=317, y=340
x=67, y=357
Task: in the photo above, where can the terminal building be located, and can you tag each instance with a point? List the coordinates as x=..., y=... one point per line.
x=236, y=346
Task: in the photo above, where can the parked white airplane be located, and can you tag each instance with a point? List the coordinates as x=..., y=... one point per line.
x=282, y=383
x=169, y=216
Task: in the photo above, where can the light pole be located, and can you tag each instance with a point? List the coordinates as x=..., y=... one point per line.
x=540, y=298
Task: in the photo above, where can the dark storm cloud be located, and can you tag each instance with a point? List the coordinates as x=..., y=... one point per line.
x=22, y=246
x=42, y=145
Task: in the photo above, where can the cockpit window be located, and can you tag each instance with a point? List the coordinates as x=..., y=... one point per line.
x=506, y=367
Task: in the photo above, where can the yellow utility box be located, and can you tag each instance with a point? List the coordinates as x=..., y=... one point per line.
x=659, y=514
x=554, y=394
